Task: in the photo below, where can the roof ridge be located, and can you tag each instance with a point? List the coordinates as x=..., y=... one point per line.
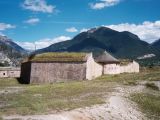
x=106, y=57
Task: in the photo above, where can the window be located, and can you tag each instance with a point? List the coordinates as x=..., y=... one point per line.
x=4, y=73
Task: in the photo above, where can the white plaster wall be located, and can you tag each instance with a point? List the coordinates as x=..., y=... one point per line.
x=10, y=73
x=117, y=69
x=14, y=73
x=93, y=69
x=3, y=74
x=130, y=68
x=136, y=66
x=112, y=69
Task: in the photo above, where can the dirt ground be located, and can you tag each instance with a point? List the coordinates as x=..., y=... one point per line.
x=117, y=107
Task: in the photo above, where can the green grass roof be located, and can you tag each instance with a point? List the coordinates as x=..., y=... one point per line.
x=59, y=57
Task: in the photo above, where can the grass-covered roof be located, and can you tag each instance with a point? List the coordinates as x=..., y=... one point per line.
x=59, y=57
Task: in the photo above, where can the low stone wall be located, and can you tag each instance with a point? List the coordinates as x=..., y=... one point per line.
x=130, y=68
x=10, y=73
x=3, y=74
x=14, y=73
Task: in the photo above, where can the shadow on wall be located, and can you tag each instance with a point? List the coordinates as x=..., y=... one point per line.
x=21, y=81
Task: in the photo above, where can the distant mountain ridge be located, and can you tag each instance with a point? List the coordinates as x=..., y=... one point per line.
x=10, y=52
x=96, y=40
x=156, y=44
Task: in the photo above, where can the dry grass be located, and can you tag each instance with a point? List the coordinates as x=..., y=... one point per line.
x=149, y=103
x=66, y=56
x=48, y=98
x=53, y=97
x=8, y=82
x=152, y=86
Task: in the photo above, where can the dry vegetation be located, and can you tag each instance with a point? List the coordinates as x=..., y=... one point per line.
x=152, y=86
x=51, y=98
x=149, y=103
x=69, y=57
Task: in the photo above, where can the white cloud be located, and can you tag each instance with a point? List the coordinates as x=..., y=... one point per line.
x=42, y=43
x=147, y=31
x=83, y=30
x=1, y=34
x=72, y=29
x=104, y=3
x=32, y=21
x=4, y=26
x=38, y=6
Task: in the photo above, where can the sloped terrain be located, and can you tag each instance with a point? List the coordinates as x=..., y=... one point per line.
x=108, y=97
x=11, y=53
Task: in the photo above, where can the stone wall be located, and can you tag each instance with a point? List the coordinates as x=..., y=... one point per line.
x=14, y=73
x=3, y=74
x=10, y=73
x=130, y=68
x=111, y=69
x=57, y=72
x=93, y=69
x=50, y=72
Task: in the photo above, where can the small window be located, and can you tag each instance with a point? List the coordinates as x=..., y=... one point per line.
x=4, y=73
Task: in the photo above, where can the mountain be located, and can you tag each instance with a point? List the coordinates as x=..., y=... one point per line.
x=156, y=44
x=10, y=53
x=96, y=40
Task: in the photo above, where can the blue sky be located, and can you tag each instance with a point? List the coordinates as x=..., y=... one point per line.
x=44, y=22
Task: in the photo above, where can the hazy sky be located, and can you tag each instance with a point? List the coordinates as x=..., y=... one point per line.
x=44, y=22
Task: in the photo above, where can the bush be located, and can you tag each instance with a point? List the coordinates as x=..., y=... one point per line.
x=152, y=86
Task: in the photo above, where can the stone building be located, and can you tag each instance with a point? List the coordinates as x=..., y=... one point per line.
x=9, y=72
x=128, y=66
x=60, y=67
x=111, y=65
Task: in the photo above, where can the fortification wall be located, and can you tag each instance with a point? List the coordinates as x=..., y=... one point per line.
x=14, y=73
x=9, y=73
x=93, y=69
x=3, y=74
x=130, y=68
x=57, y=72
x=111, y=69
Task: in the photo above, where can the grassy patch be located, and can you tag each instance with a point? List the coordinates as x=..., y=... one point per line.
x=54, y=56
x=152, y=86
x=39, y=99
x=150, y=104
x=1, y=118
x=146, y=74
x=54, y=97
x=7, y=82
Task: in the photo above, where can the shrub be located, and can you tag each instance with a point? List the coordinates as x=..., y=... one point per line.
x=152, y=86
